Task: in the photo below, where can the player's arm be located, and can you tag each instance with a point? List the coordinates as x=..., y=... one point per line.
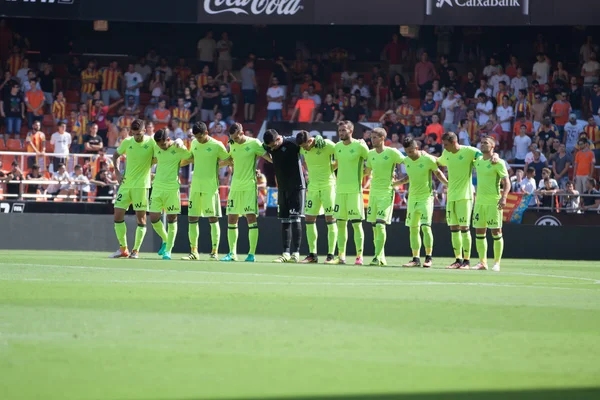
x=505, y=190
x=368, y=175
x=115, y=161
x=441, y=177
x=267, y=157
x=402, y=181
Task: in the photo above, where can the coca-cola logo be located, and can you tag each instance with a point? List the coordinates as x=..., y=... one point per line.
x=255, y=7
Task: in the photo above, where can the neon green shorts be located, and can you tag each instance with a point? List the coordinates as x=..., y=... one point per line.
x=458, y=213
x=242, y=202
x=204, y=205
x=419, y=213
x=320, y=202
x=168, y=201
x=487, y=216
x=381, y=206
x=137, y=197
x=349, y=206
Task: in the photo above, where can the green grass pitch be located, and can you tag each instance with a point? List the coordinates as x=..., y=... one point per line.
x=76, y=325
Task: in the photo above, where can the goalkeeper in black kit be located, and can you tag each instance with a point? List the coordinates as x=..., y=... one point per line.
x=291, y=195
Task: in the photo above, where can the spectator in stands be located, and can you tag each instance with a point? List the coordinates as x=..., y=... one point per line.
x=191, y=104
x=361, y=87
x=594, y=102
x=226, y=104
x=522, y=120
x=495, y=80
x=150, y=108
x=354, y=112
x=209, y=92
x=528, y=185
x=519, y=82
x=305, y=108
x=161, y=116
x=405, y=113
x=382, y=94
x=63, y=187
x=560, y=111
x=281, y=71
x=583, y=166
x=59, y=108
x=218, y=121
x=123, y=134
x=587, y=49
x=143, y=69
x=174, y=130
x=522, y=105
x=12, y=109
x=483, y=89
x=105, y=187
x=13, y=190
x=224, y=47
x=560, y=76
x=218, y=133
x=34, y=175
x=591, y=200
x=48, y=84
x=429, y=107
x=570, y=198
x=505, y=116
x=397, y=88
x=92, y=143
x=328, y=111
x=34, y=101
x=152, y=58
x=90, y=77
x=28, y=84
x=133, y=82
x=23, y=73
x=546, y=132
x=463, y=134
x=491, y=128
x=313, y=95
x=418, y=129
x=157, y=85
x=515, y=181
x=206, y=49
x=130, y=108
x=424, y=74
x=521, y=144
x=484, y=109
x=438, y=95
x=491, y=69
x=470, y=87
x=150, y=128
x=593, y=133
x=449, y=104
x=432, y=146
x=572, y=130
x=100, y=116
x=36, y=143
x=547, y=188
x=182, y=74
x=394, y=52
x=575, y=96
x=536, y=163
x=166, y=71
x=591, y=73
x=249, y=90
x=81, y=183
x=541, y=69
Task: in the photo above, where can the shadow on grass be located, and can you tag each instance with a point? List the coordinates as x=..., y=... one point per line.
x=541, y=394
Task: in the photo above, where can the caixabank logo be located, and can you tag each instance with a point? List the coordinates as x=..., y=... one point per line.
x=469, y=12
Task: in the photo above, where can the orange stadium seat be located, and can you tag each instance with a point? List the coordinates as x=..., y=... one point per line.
x=48, y=120
x=415, y=103
x=14, y=145
x=72, y=96
x=236, y=88
x=2, y=145
x=72, y=107
x=376, y=115
x=7, y=161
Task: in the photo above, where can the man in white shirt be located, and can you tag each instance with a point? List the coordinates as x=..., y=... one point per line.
x=224, y=50
x=63, y=187
x=573, y=129
x=484, y=109
x=61, y=141
x=82, y=183
x=541, y=69
x=314, y=96
x=360, y=86
x=505, y=115
x=590, y=72
x=143, y=69
x=206, y=51
x=528, y=185
x=448, y=106
x=530, y=157
x=463, y=135
x=495, y=80
x=520, y=145
x=275, y=96
x=491, y=69
x=519, y=82
x=133, y=82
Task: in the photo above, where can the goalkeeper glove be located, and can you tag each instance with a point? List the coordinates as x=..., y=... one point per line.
x=319, y=142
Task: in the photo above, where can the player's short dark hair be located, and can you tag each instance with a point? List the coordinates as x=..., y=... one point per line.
x=592, y=181
x=160, y=135
x=270, y=136
x=199, y=127
x=450, y=137
x=531, y=170
x=409, y=141
x=302, y=137
x=138, y=124
x=61, y=123
x=347, y=124
x=235, y=128
x=490, y=138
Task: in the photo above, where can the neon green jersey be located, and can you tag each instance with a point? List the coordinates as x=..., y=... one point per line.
x=488, y=181
x=244, y=163
x=350, y=166
x=382, y=166
x=460, y=172
x=206, y=165
x=139, y=162
x=167, y=167
x=420, y=187
x=319, y=165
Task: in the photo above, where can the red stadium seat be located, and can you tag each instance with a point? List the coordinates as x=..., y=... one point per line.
x=376, y=115
x=61, y=71
x=14, y=145
x=72, y=107
x=48, y=120
x=72, y=96
x=2, y=145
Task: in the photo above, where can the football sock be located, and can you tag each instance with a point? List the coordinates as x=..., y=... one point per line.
x=171, y=235
x=498, y=247
x=140, y=232
x=375, y=233
x=359, y=237
x=457, y=244
x=296, y=236
x=159, y=228
x=232, y=237
x=286, y=236
x=332, y=233
x=466, y=244
x=121, y=232
x=482, y=247
x=253, y=237
x=415, y=241
x=380, y=228
x=312, y=236
x=215, y=235
x=193, y=233
x=342, y=237
x=427, y=239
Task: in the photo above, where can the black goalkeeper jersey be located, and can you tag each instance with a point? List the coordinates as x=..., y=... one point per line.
x=288, y=168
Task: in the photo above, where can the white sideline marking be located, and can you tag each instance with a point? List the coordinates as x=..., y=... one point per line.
x=274, y=275
x=349, y=284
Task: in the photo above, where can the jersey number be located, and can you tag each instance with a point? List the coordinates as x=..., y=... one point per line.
x=119, y=197
x=309, y=204
x=190, y=204
x=230, y=204
x=476, y=217
x=336, y=208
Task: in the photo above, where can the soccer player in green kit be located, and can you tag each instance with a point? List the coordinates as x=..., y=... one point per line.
x=134, y=186
x=320, y=195
x=243, y=195
x=419, y=167
x=381, y=162
x=489, y=202
x=208, y=155
x=350, y=154
x=165, y=196
x=459, y=204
